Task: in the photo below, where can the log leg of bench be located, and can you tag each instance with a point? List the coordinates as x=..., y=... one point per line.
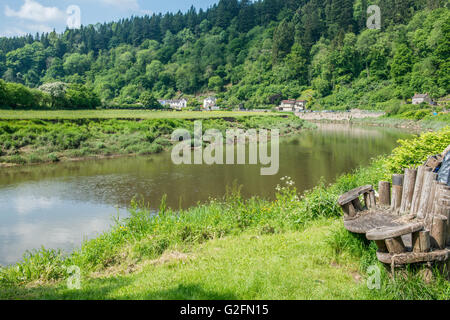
x=439, y=232
x=421, y=241
x=427, y=187
x=395, y=245
x=369, y=199
x=397, y=192
x=349, y=210
x=381, y=244
x=384, y=191
x=357, y=205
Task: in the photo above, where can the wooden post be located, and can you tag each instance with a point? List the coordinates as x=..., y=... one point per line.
x=395, y=245
x=438, y=232
x=384, y=191
x=381, y=244
x=442, y=205
x=432, y=200
x=429, y=177
x=357, y=205
x=349, y=210
x=421, y=241
x=408, y=190
x=446, y=213
x=397, y=190
x=373, y=201
x=369, y=199
x=418, y=189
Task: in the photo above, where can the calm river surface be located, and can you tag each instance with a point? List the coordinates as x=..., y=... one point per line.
x=59, y=205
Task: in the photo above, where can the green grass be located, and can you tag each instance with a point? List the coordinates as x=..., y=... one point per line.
x=37, y=140
x=291, y=265
x=120, y=114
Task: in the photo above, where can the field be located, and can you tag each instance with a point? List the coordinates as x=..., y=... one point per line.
x=120, y=114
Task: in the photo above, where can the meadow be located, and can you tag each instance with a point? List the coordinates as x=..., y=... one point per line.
x=292, y=248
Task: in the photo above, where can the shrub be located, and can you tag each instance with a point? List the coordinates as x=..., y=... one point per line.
x=414, y=152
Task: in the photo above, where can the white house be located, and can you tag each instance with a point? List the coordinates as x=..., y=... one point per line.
x=210, y=104
x=174, y=104
x=422, y=98
x=292, y=105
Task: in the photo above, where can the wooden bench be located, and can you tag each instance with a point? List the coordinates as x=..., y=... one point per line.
x=409, y=222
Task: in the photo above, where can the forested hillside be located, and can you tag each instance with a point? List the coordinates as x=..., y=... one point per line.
x=254, y=53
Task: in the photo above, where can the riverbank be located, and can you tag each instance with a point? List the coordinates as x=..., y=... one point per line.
x=33, y=141
x=366, y=118
x=233, y=248
x=339, y=116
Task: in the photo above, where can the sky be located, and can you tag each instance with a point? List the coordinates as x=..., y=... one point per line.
x=19, y=17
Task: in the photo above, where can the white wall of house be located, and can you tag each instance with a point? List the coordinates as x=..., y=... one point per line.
x=421, y=99
x=208, y=103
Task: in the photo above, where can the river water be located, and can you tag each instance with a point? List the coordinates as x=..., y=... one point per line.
x=60, y=205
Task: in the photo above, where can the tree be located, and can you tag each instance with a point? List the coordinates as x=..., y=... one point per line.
x=296, y=63
x=215, y=83
x=149, y=101
x=402, y=62
x=76, y=63
x=80, y=97
x=4, y=97
x=283, y=39
x=246, y=16
x=57, y=93
x=19, y=96
x=339, y=14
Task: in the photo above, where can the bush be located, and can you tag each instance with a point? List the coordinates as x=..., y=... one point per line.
x=414, y=152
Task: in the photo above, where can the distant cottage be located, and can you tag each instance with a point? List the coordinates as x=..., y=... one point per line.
x=209, y=104
x=174, y=104
x=292, y=105
x=422, y=98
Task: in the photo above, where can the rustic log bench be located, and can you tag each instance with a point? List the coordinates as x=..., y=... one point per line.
x=410, y=222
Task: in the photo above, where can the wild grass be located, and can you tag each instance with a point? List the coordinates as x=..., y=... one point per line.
x=34, y=141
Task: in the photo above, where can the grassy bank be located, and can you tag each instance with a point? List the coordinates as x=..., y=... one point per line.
x=233, y=248
x=37, y=141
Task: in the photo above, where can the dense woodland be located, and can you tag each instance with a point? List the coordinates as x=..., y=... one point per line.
x=250, y=53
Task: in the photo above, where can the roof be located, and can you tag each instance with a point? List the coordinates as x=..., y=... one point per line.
x=419, y=95
x=292, y=101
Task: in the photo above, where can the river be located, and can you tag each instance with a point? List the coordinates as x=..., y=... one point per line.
x=60, y=205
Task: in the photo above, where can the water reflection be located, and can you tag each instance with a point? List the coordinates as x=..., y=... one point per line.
x=57, y=205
